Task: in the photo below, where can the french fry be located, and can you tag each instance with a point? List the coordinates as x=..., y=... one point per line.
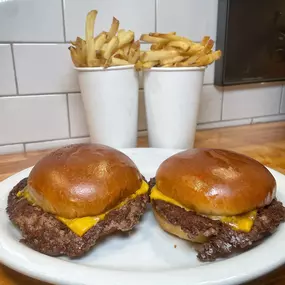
x=168, y=65
x=74, y=56
x=95, y=62
x=120, y=54
x=182, y=45
x=125, y=37
x=208, y=58
x=138, y=65
x=78, y=42
x=134, y=52
x=158, y=46
x=89, y=26
x=153, y=39
x=91, y=52
x=158, y=55
x=190, y=61
x=150, y=64
x=111, y=47
x=172, y=60
x=205, y=40
x=126, y=49
x=114, y=29
x=170, y=37
x=118, y=61
x=208, y=47
x=100, y=40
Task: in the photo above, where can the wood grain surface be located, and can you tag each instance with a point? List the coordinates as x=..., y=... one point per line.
x=263, y=142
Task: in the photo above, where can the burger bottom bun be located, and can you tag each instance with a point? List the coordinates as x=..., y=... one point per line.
x=176, y=230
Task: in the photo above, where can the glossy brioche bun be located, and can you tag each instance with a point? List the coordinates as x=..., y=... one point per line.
x=216, y=181
x=83, y=180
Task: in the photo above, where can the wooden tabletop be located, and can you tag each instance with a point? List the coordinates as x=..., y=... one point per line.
x=263, y=142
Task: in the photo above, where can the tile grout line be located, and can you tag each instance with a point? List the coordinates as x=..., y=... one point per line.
x=15, y=72
x=281, y=97
x=68, y=115
x=222, y=107
x=42, y=94
x=63, y=20
x=43, y=141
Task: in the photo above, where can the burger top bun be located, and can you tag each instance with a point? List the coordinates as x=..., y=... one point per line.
x=83, y=180
x=216, y=182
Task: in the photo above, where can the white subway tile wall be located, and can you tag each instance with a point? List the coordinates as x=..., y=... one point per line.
x=33, y=118
x=44, y=68
x=78, y=125
x=40, y=103
x=7, y=76
x=282, y=106
x=135, y=15
x=189, y=18
x=210, y=104
x=54, y=144
x=251, y=101
x=31, y=21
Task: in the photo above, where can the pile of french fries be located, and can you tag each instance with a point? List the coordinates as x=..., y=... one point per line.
x=171, y=50
x=116, y=47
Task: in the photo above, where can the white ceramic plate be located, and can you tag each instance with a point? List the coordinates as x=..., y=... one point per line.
x=147, y=256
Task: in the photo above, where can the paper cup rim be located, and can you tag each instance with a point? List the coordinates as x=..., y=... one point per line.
x=101, y=68
x=171, y=69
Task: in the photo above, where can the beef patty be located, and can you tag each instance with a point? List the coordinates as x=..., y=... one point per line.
x=222, y=240
x=44, y=233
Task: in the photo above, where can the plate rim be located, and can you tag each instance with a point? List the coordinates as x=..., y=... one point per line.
x=181, y=276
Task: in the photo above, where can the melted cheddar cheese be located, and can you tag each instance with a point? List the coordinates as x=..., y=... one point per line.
x=240, y=222
x=81, y=225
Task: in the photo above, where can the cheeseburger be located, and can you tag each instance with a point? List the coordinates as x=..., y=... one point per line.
x=76, y=195
x=222, y=201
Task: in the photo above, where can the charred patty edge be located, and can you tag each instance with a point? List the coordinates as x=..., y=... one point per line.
x=44, y=233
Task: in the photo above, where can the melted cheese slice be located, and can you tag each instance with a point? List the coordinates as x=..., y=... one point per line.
x=240, y=222
x=81, y=225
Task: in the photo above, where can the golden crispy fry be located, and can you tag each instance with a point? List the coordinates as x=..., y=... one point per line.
x=78, y=42
x=125, y=37
x=91, y=52
x=89, y=26
x=95, y=62
x=150, y=39
x=182, y=45
x=168, y=65
x=120, y=54
x=82, y=53
x=126, y=49
x=158, y=46
x=111, y=47
x=190, y=61
x=172, y=60
x=205, y=40
x=134, y=52
x=170, y=37
x=113, y=30
x=208, y=58
x=118, y=61
x=208, y=47
x=100, y=40
x=139, y=65
x=74, y=56
x=158, y=55
x=150, y=64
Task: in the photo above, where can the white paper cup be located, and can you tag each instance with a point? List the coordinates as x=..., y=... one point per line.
x=172, y=97
x=110, y=99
